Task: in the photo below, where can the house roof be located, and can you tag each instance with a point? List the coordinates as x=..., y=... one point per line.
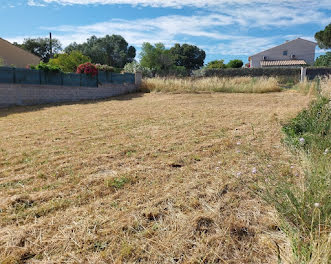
x=282, y=63
x=284, y=44
x=27, y=52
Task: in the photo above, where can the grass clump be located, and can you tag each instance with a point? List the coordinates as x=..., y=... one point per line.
x=212, y=84
x=117, y=183
x=308, y=87
x=303, y=202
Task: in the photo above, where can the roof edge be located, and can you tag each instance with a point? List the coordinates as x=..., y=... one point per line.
x=30, y=53
x=283, y=44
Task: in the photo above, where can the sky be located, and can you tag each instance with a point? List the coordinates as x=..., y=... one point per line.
x=225, y=29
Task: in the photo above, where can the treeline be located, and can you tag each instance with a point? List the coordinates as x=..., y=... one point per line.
x=113, y=53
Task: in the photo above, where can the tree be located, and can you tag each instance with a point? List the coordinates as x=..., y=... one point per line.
x=324, y=60
x=69, y=62
x=134, y=66
x=41, y=47
x=216, y=64
x=1, y=62
x=235, y=64
x=188, y=56
x=111, y=50
x=156, y=57
x=323, y=38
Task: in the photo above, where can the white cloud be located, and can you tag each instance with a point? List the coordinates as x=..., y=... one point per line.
x=211, y=25
x=195, y=3
x=247, y=13
x=172, y=29
x=35, y=3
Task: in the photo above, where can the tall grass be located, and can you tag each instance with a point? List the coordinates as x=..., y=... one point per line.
x=304, y=203
x=212, y=84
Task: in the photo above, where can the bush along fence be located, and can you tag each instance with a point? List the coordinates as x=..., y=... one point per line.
x=29, y=87
x=311, y=72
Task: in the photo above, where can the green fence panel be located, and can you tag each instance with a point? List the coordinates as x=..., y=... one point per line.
x=71, y=79
x=51, y=78
x=118, y=78
x=27, y=76
x=102, y=77
x=7, y=75
x=89, y=81
x=129, y=78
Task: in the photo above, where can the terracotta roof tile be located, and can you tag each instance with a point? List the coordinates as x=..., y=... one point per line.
x=282, y=62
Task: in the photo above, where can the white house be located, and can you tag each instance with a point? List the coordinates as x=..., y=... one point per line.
x=294, y=53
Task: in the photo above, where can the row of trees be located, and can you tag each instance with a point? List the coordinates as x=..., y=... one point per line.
x=111, y=50
x=115, y=51
x=178, y=60
x=156, y=59
x=219, y=64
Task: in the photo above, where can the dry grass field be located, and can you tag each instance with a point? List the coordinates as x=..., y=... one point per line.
x=146, y=178
x=213, y=84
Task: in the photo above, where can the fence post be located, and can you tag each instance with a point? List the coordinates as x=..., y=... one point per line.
x=138, y=79
x=14, y=75
x=303, y=74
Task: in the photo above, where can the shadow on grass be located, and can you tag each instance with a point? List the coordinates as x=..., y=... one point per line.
x=32, y=108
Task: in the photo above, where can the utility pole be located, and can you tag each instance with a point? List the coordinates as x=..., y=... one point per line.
x=50, y=45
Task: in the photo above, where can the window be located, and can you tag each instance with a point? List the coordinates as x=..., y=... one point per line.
x=285, y=53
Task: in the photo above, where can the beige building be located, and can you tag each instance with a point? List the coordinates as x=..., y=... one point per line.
x=294, y=53
x=10, y=55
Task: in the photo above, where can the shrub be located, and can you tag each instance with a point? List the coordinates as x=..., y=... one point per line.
x=105, y=68
x=1, y=62
x=69, y=62
x=134, y=66
x=216, y=64
x=87, y=68
x=235, y=64
x=324, y=60
x=45, y=67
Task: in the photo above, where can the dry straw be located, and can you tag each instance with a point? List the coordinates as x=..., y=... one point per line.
x=212, y=84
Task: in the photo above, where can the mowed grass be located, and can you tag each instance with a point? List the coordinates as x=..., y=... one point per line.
x=212, y=84
x=149, y=178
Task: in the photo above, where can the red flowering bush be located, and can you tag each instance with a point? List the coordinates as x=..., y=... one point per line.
x=87, y=68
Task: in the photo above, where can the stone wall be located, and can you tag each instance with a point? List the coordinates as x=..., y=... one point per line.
x=25, y=94
x=31, y=87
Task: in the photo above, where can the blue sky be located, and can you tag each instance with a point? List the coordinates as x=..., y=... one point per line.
x=225, y=29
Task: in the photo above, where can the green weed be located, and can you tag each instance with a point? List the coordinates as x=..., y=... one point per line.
x=304, y=203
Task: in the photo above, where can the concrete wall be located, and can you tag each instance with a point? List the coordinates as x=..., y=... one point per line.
x=27, y=94
x=302, y=49
x=16, y=56
x=31, y=87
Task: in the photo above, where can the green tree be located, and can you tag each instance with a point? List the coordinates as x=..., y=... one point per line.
x=1, y=62
x=323, y=37
x=216, y=64
x=156, y=57
x=41, y=47
x=69, y=62
x=188, y=56
x=324, y=60
x=111, y=50
x=235, y=64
